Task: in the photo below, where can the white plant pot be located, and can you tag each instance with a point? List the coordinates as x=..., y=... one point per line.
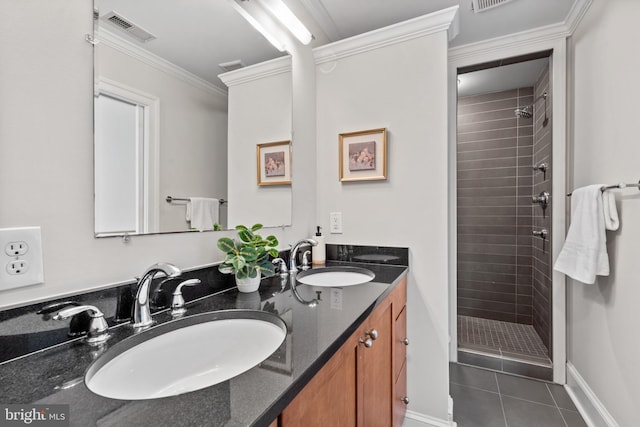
x=249, y=284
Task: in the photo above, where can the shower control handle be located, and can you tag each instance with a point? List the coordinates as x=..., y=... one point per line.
x=542, y=167
x=542, y=199
x=540, y=233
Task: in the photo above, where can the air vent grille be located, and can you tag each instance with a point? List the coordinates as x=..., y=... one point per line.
x=128, y=27
x=115, y=19
x=482, y=5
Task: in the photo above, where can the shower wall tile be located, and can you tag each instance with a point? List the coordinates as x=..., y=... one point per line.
x=542, y=265
x=495, y=182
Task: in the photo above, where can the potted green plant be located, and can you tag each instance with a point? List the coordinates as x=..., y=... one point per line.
x=248, y=258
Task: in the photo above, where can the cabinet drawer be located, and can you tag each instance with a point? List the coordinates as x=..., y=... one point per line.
x=400, y=348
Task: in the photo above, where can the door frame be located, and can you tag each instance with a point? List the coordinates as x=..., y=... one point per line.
x=491, y=51
x=149, y=199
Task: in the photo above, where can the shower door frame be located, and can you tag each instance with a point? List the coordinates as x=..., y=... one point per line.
x=493, y=50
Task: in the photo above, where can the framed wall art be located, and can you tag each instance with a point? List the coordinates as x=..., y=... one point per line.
x=363, y=155
x=274, y=163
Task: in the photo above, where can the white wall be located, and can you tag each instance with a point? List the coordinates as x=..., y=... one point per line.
x=46, y=157
x=192, y=132
x=402, y=87
x=259, y=112
x=603, y=341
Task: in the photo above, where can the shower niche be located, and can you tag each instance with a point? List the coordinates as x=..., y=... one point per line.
x=504, y=175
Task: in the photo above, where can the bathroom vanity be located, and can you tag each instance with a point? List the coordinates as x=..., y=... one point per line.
x=343, y=359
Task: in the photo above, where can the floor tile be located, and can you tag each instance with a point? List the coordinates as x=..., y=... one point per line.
x=483, y=360
x=476, y=408
x=573, y=418
x=473, y=377
x=527, y=370
x=522, y=413
x=523, y=388
x=561, y=397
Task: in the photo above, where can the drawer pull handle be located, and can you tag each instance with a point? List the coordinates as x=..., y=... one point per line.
x=367, y=343
x=373, y=334
x=405, y=341
x=405, y=400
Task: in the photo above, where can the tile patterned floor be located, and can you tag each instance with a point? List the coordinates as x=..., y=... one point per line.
x=505, y=338
x=484, y=398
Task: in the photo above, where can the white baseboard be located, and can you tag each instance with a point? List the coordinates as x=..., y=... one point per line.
x=416, y=419
x=590, y=407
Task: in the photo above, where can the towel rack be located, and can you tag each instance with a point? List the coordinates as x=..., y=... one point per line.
x=610, y=187
x=171, y=199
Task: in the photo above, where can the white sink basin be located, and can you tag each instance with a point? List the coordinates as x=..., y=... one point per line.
x=186, y=355
x=335, y=276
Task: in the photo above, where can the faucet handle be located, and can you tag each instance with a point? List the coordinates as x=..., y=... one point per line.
x=177, y=303
x=97, y=329
x=283, y=266
x=305, y=260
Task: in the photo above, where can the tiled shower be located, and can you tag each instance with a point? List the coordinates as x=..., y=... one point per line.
x=504, y=270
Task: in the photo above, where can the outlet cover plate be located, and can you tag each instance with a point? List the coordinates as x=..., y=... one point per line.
x=335, y=222
x=34, y=274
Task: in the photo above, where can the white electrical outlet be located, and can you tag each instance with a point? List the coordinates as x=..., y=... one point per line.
x=16, y=248
x=16, y=267
x=21, y=263
x=335, y=222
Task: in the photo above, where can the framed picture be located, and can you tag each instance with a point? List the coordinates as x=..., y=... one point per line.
x=274, y=163
x=363, y=155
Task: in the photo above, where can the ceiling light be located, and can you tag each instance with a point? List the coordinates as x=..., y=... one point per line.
x=289, y=20
x=267, y=35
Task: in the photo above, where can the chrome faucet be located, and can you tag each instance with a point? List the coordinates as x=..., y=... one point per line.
x=293, y=268
x=97, y=330
x=141, y=311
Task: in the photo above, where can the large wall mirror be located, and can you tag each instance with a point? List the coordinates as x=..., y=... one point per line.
x=161, y=111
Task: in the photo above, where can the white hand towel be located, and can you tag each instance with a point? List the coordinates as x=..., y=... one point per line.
x=584, y=254
x=611, y=220
x=202, y=212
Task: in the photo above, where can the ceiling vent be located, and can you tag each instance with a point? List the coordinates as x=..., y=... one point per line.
x=128, y=27
x=482, y=5
x=231, y=65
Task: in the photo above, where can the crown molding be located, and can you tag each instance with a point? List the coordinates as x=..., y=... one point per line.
x=535, y=36
x=257, y=71
x=576, y=13
x=443, y=20
x=122, y=45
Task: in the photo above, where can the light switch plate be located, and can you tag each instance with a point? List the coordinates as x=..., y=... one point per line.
x=335, y=222
x=20, y=257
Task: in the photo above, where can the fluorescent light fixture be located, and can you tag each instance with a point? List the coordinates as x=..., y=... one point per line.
x=289, y=20
x=255, y=24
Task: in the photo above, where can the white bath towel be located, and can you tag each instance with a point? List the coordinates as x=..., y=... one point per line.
x=584, y=254
x=203, y=213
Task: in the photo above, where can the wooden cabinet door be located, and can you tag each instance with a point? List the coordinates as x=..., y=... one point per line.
x=377, y=372
x=400, y=394
x=330, y=398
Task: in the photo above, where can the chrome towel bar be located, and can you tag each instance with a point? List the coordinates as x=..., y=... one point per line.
x=610, y=187
x=171, y=199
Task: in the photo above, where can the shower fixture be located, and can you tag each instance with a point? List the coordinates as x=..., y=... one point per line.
x=526, y=112
x=542, y=167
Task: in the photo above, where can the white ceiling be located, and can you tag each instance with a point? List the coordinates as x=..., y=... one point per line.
x=197, y=35
x=512, y=76
x=345, y=18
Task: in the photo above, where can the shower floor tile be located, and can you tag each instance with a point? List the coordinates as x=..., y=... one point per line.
x=511, y=340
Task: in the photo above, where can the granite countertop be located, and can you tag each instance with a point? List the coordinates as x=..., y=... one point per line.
x=256, y=397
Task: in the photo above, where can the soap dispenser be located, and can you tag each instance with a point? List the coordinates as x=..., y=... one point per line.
x=318, y=252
